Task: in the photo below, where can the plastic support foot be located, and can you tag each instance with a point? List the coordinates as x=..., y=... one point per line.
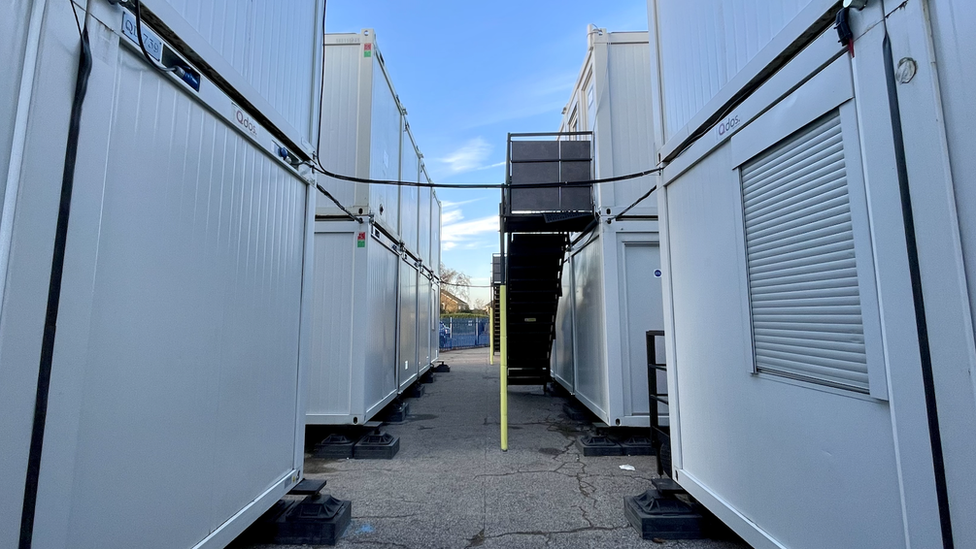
x=376, y=446
x=658, y=516
x=334, y=446
x=598, y=445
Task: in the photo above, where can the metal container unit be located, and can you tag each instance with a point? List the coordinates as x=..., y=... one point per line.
x=260, y=49
x=410, y=197
x=612, y=99
x=362, y=130
x=611, y=296
x=605, y=307
x=183, y=312
x=435, y=268
x=814, y=329
x=408, y=369
x=365, y=133
x=354, y=325
x=425, y=319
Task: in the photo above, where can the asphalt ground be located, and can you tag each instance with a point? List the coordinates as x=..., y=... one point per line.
x=451, y=486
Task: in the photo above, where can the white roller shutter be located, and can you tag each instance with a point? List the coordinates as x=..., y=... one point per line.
x=803, y=286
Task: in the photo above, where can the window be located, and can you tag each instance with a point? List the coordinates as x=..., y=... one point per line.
x=804, y=295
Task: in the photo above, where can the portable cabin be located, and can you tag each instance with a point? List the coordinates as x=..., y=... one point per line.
x=817, y=236
x=605, y=306
x=373, y=278
x=156, y=327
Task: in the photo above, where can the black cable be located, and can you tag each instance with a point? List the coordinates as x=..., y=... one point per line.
x=54, y=297
x=317, y=166
x=636, y=202
x=142, y=46
x=337, y=203
x=586, y=183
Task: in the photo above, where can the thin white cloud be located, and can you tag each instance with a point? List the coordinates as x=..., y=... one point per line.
x=495, y=165
x=462, y=231
x=447, y=204
x=451, y=216
x=469, y=157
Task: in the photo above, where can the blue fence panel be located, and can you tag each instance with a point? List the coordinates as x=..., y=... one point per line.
x=460, y=333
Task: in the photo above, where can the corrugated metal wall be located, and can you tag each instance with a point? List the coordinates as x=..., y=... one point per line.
x=424, y=222
x=13, y=45
x=380, y=341
x=590, y=321
x=179, y=323
x=631, y=127
x=563, y=367
x=330, y=380
x=340, y=121
x=407, y=355
x=270, y=46
x=705, y=43
x=410, y=196
x=952, y=22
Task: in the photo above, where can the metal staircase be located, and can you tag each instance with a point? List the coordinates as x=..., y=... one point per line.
x=535, y=226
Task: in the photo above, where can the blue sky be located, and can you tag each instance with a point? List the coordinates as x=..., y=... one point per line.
x=469, y=73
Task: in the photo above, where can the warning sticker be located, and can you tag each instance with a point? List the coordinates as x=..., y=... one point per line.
x=367, y=50
x=361, y=240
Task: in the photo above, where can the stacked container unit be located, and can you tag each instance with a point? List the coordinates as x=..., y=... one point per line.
x=817, y=240
x=177, y=286
x=367, y=345
x=435, y=276
x=606, y=306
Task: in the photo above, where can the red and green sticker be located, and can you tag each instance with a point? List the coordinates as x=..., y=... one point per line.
x=367, y=50
x=361, y=240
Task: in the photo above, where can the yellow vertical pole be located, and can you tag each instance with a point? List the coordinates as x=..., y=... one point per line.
x=491, y=336
x=503, y=327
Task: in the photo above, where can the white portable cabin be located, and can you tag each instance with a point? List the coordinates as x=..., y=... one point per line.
x=817, y=239
x=352, y=370
x=599, y=354
x=369, y=305
x=612, y=99
x=416, y=282
x=610, y=297
x=434, y=264
x=181, y=313
x=362, y=133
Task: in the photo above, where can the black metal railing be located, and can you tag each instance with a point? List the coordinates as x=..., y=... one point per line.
x=660, y=434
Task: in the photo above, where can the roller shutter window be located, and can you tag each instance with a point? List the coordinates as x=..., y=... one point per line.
x=803, y=288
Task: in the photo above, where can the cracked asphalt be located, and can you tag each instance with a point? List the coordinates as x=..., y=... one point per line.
x=450, y=486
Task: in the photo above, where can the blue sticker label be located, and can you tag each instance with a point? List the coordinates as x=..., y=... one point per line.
x=657, y=273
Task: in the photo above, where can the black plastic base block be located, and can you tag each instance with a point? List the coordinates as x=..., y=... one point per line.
x=637, y=445
x=666, y=486
x=316, y=520
x=415, y=391
x=656, y=516
x=441, y=368
x=307, y=487
x=428, y=377
x=396, y=412
x=576, y=413
x=376, y=446
x=598, y=445
x=334, y=446
x=556, y=389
